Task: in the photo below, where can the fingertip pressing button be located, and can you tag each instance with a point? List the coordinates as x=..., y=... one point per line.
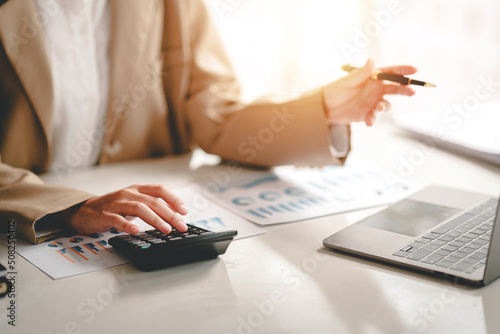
x=165, y=228
x=182, y=226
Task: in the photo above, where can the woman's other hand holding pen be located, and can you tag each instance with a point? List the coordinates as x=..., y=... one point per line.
x=357, y=98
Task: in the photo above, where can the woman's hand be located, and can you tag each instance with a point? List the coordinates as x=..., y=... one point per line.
x=154, y=204
x=356, y=97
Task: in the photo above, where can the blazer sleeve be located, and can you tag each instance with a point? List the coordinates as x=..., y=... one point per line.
x=261, y=133
x=25, y=200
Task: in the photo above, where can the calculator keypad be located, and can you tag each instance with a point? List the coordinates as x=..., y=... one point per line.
x=147, y=239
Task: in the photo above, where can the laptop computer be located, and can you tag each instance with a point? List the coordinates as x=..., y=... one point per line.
x=444, y=232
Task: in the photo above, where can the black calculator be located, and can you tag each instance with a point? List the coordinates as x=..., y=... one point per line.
x=153, y=249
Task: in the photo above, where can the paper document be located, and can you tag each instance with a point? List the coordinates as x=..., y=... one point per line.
x=289, y=194
x=78, y=254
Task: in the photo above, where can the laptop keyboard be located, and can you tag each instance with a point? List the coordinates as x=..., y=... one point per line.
x=461, y=244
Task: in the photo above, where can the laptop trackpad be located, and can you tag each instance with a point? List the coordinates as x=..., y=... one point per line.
x=410, y=217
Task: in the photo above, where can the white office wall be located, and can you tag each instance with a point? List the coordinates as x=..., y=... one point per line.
x=283, y=46
x=288, y=46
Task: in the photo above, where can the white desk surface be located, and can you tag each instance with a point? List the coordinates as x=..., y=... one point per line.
x=280, y=282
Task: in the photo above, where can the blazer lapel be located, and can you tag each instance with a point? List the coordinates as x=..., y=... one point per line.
x=21, y=34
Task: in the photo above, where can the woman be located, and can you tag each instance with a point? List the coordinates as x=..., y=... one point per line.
x=95, y=82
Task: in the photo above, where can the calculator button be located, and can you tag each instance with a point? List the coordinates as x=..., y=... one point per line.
x=152, y=250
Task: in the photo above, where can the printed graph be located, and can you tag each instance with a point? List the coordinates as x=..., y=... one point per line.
x=215, y=224
x=78, y=248
x=291, y=194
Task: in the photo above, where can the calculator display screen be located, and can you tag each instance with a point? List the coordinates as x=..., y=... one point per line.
x=409, y=217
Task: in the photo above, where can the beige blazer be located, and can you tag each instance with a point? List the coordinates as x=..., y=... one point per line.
x=171, y=87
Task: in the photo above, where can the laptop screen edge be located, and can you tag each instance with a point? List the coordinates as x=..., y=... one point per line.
x=492, y=269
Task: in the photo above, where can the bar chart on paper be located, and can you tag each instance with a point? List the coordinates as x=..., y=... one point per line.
x=72, y=255
x=78, y=254
x=291, y=194
x=83, y=251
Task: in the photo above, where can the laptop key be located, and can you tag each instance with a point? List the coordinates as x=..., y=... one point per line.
x=470, y=260
x=468, y=226
x=446, y=238
x=401, y=254
x=474, y=245
x=461, y=266
x=449, y=248
x=478, y=231
x=453, y=259
x=456, y=243
x=444, y=264
x=484, y=228
x=433, y=258
x=461, y=230
x=431, y=236
x=471, y=270
x=470, y=235
x=464, y=239
x=459, y=255
x=490, y=213
x=484, y=217
x=478, y=256
x=453, y=223
x=439, y=242
x=483, y=251
x=454, y=234
x=480, y=242
x=424, y=240
x=442, y=252
x=432, y=246
x=476, y=221
x=485, y=237
x=466, y=250
x=416, y=244
x=419, y=254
